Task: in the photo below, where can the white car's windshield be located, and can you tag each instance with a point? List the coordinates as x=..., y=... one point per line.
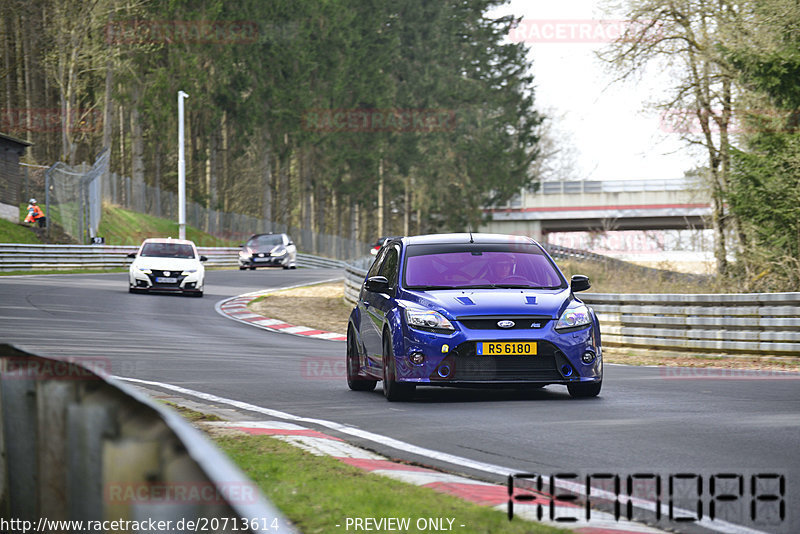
x=167, y=250
x=266, y=241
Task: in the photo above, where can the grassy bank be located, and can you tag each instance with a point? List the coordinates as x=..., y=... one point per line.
x=125, y=227
x=319, y=493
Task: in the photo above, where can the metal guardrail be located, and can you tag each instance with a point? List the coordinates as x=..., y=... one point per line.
x=21, y=257
x=742, y=323
x=761, y=324
x=79, y=446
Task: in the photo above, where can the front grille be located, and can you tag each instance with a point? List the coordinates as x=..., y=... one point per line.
x=172, y=274
x=465, y=365
x=521, y=322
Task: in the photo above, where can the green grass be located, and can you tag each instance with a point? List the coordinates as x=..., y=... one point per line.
x=319, y=492
x=17, y=233
x=124, y=227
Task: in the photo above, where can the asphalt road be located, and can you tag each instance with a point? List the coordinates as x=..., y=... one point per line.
x=647, y=420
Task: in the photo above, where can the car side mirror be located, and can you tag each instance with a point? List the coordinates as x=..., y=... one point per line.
x=203, y=258
x=132, y=255
x=579, y=282
x=377, y=284
x=291, y=243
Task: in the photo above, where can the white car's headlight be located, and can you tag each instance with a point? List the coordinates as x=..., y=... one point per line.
x=279, y=253
x=188, y=271
x=574, y=317
x=144, y=270
x=428, y=319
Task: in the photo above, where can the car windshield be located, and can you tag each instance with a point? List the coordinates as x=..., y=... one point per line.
x=479, y=266
x=266, y=241
x=167, y=250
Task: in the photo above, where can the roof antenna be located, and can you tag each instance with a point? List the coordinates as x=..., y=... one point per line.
x=469, y=228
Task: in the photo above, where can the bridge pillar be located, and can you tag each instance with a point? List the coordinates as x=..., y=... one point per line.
x=530, y=228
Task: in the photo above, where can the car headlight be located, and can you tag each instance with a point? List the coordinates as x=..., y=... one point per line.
x=188, y=271
x=428, y=320
x=144, y=270
x=279, y=253
x=245, y=253
x=574, y=318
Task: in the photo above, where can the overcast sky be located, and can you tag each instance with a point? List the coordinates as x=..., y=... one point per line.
x=615, y=135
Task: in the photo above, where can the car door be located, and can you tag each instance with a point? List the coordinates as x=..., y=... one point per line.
x=366, y=300
x=381, y=303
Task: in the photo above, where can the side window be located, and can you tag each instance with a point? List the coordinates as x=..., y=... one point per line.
x=373, y=271
x=389, y=267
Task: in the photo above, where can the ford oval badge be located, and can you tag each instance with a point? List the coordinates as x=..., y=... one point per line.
x=505, y=324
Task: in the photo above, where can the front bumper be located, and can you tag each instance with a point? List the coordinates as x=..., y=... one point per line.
x=452, y=359
x=177, y=282
x=265, y=261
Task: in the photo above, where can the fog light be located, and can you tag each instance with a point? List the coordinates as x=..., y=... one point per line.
x=588, y=357
x=417, y=358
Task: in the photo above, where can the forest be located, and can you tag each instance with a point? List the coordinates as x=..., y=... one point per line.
x=355, y=118
x=362, y=118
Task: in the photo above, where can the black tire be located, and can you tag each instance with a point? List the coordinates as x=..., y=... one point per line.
x=355, y=381
x=582, y=391
x=293, y=267
x=393, y=390
x=285, y=267
x=241, y=268
x=252, y=268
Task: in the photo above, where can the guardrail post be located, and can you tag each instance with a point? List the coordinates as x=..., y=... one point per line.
x=88, y=425
x=52, y=401
x=21, y=443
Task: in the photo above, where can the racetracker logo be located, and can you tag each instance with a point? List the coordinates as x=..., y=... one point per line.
x=323, y=368
x=379, y=120
x=82, y=368
x=582, y=31
x=135, y=32
x=50, y=120
x=181, y=493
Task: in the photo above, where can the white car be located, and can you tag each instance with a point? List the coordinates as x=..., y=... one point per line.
x=171, y=265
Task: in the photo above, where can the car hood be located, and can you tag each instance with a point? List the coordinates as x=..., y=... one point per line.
x=167, y=264
x=465, y=302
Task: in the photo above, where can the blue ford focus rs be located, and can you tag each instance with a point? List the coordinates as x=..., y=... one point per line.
x=471, y=310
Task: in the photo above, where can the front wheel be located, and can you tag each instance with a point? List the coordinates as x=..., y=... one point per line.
x=393, y=390
x=581, y=390
x=355, y=381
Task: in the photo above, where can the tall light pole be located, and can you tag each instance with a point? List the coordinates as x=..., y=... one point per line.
x=181, y=170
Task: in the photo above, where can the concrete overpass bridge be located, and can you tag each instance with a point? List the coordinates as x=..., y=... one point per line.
x=574, y=206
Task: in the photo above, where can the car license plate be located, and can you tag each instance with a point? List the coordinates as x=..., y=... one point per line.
x=518, y=348
x=164, y=280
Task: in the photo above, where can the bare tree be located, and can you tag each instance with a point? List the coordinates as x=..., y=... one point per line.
x=685, y=37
